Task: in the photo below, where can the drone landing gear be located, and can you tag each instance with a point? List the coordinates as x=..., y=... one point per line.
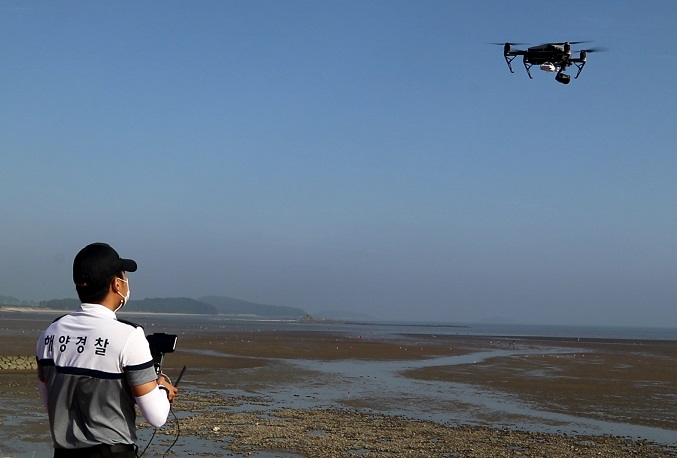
x=579, y=66
x=527, y=65
x=508, y=60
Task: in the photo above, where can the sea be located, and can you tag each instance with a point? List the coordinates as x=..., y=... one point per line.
x=418, y=327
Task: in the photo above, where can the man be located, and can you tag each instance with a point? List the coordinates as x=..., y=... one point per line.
x=93, y=367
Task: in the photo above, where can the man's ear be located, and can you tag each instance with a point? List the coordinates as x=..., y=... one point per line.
x=115, y=285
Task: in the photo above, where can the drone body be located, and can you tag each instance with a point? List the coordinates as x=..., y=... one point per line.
x=550, y=57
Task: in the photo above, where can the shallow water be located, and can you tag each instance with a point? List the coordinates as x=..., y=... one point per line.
x=378, y=386
x=445, y=402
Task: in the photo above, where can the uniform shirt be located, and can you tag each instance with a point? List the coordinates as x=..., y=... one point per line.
x=88, y=360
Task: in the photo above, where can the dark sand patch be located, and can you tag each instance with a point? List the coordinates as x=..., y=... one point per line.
x=620, y=381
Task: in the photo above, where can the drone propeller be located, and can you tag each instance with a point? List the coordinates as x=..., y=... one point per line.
x=508, y=43
x=571, y=42
x=598, y=49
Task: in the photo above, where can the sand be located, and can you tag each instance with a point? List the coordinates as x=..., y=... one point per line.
x=242, y=397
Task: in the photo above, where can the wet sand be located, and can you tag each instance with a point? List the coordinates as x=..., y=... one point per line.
x=297, y=393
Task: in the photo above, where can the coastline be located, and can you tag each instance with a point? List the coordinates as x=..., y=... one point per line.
x=297, y=391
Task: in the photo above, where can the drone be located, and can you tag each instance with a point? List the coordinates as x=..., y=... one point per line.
x=551, y=57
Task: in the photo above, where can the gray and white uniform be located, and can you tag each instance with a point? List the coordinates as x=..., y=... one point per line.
x=88, y=360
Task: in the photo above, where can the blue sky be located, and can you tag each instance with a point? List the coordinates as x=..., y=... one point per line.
x=372, y=156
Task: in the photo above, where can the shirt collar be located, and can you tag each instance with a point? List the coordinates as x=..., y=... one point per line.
x=98, y=309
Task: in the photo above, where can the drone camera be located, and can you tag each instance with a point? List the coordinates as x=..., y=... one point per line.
x=563, y=78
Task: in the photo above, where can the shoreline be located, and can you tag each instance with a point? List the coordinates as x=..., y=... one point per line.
x=246, y=318
x=268, y=387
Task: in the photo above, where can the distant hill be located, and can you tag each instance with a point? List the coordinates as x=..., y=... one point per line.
x=231, y=306
x=210, y=305
x=149, y=305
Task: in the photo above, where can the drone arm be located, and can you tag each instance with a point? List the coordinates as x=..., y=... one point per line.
x=527, y=65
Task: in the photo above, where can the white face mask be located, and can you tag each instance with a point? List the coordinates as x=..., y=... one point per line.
x=125, y=298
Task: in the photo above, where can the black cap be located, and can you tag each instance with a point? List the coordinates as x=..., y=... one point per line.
x=96, y=264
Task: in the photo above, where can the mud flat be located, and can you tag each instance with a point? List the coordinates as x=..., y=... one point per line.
x=342, y=432
x=267, y=392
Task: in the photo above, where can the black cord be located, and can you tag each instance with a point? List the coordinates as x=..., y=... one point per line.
x=178, y=434
x=148, y=444
x=178, y=431
x=178, y=428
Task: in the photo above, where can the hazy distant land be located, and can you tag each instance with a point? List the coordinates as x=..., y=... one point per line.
x=208, y=305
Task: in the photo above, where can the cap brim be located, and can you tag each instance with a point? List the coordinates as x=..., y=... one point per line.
x=128, y=265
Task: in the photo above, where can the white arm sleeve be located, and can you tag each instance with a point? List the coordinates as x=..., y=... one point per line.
x=43, y=395
x=154, y=407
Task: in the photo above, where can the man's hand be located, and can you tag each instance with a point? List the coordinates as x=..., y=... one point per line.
x=164, y=383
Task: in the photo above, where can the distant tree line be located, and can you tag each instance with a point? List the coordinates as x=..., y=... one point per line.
x=9, y=300
x=59, y=304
